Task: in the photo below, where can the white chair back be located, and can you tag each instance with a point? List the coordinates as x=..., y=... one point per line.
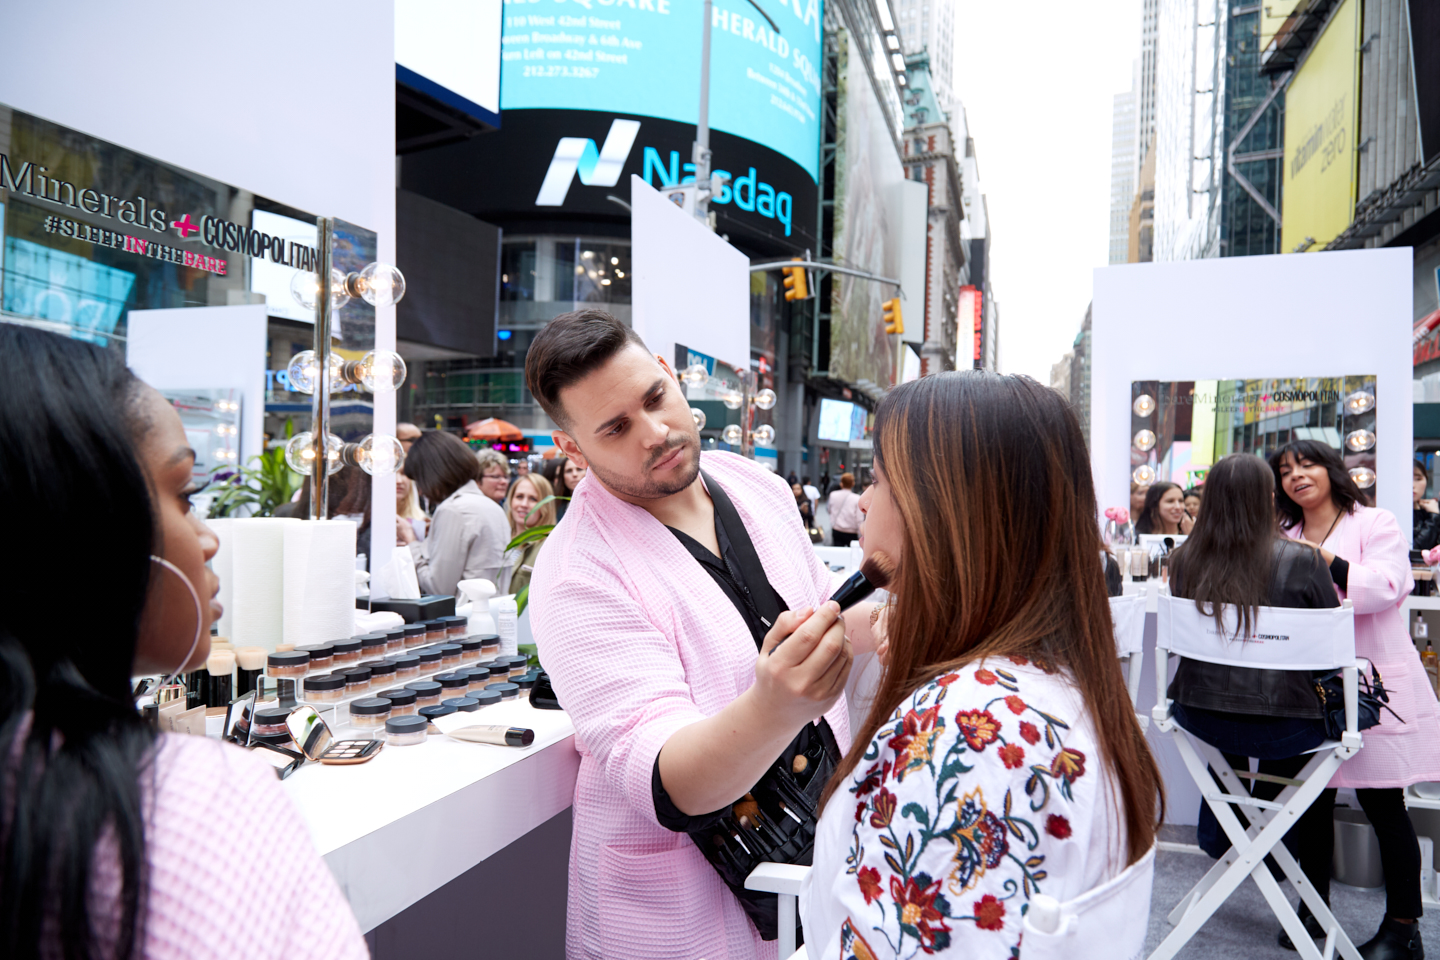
x=1281, y=638
x=1128, y=615
x=1106, y=923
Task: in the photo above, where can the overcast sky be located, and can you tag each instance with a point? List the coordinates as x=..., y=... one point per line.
x=1037, y=80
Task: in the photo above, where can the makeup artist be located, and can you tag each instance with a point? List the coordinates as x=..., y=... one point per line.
x=119, y=841
x=671, y=571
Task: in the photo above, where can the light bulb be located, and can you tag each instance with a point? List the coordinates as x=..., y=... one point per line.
x=732, y=435
x=305, y=288
x=698, y=416
x=381, y=371
x=304, y=371
x=1144, y=405
x=1144, y=475
x=763, y=435
x=1364, y=477
x=300, y=453
x=380, y=454
x=381, y=284
x=733, y=399
x=1358, y=441
x=765, y=399
x=695, y=374
x=1359, y=402
x=1144, y=441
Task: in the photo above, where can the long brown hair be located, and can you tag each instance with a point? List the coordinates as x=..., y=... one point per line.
x=991, y=479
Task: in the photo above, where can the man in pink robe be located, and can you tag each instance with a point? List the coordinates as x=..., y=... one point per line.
x=656, y=666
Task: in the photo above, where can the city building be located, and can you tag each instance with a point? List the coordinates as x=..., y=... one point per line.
x=1080, y=363
x=1141, y=233
x=1060, y=374
x=1189, y=129
x=1146, y=79
x=928, y=26
x=1254, y=127
x=1122, y=174
x=975, y=231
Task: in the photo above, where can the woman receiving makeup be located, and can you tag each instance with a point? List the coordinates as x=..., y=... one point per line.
x=134, y=840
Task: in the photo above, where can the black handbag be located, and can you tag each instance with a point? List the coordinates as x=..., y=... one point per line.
x=1372, y=697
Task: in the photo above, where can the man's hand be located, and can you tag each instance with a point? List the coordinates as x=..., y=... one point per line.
x=802, y=677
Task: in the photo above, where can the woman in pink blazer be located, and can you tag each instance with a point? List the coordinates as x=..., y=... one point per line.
x=1369, y=560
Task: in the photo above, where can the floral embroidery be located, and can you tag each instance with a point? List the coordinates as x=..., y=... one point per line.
x=943, y=816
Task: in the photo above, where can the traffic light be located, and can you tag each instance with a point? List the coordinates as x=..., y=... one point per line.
x=796, y=287
x=894, y=322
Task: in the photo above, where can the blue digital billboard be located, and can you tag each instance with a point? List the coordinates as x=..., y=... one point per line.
x=642, y=57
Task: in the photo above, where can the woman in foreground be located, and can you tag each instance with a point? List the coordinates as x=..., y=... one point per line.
x=1002, y=758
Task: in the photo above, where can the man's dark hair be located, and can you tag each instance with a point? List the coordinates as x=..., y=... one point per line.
x=440, y=464
x=570, y=348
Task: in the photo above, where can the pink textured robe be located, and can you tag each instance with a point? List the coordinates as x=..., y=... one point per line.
x=639, y=642
x=1394, y=754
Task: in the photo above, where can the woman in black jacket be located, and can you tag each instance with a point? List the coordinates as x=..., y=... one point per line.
x=1236, y=557
x=1426, y=533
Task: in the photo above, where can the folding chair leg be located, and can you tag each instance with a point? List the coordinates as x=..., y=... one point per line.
x=1206, y=882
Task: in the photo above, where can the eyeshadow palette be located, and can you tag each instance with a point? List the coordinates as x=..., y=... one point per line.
x=351, y=751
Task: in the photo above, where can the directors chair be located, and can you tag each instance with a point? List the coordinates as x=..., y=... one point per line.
x=1128, y=615
x=1282, y=639
x=1106, y=923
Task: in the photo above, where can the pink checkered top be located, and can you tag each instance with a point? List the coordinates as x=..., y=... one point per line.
x=232, y=871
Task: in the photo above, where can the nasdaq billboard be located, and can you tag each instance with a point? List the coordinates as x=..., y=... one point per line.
x=642, y=57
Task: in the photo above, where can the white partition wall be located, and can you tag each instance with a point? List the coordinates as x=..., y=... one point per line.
x=1290, y=315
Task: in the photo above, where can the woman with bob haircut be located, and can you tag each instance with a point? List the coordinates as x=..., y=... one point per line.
x=1002, y=757
x=468, y=531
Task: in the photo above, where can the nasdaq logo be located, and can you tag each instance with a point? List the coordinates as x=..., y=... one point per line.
x=597, y=168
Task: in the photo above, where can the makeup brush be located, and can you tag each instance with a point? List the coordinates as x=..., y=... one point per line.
x=251, y=663
x=218, y=670
x=876, y=572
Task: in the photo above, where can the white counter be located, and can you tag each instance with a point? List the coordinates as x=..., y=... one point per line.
x=406, y=823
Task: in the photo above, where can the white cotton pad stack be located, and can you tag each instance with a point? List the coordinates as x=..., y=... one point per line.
x=318, y=574
x=250, y=565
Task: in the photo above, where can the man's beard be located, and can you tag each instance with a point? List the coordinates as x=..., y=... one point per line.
x=683, y=475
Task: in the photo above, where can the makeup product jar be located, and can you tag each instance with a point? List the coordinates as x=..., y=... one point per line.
x=436, y=710
x=414, y=635
x=450, y=655
x=462, y=704
x=434, y=630
x=270, y=723
x=357, y=680
x=321, y=655
x=489, y=645
x=507, y=691
x=381, y=671
x=486, y=698
x=519, y=666
x=405, y=731
x=469, y=649
x=395, y=640
x=324, y=688
x=499, y=670
x=429, y=659
x=407, y=665
x=372, y=646
x=526, y=683
x=402, y=701
x=346, y=651
x=479, y=678
x=369, y=713
x=453, y=684
x=274, y=739
x=427, y=692
x=456, y=627
x=290, y=663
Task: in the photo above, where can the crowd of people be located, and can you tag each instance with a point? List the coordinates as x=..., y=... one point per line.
x=685, y=627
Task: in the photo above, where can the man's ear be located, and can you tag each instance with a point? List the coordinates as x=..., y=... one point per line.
x=666, y=366
x=569, y=447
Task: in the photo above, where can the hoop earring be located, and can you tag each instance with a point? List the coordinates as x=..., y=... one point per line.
x=199, y=618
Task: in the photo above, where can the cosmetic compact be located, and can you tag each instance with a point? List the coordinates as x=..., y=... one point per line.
x=435, y=710
x=463, y=704
x=321, y=655
x=324, y=688
x=456, y=627
x=469, y=649
x=414, y=635
x=402, y=700
x=489, y=645
x=427, y=692
x=434, y=630
x=289, y=663
x=346, y=651
x=372, y=646
x=452, y=684
x=450, y=655
x=406, y=731
x=395, y=640
x=486, y=698
x=407, y=665
x=270, y=723
x=370, y=712
x=429, y=658
x=274, y=739
x=507, y=691
x=357, y=680
x=381, y=671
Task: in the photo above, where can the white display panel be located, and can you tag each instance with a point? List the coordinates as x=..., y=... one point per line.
x=454, y=44
x=273, y=279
